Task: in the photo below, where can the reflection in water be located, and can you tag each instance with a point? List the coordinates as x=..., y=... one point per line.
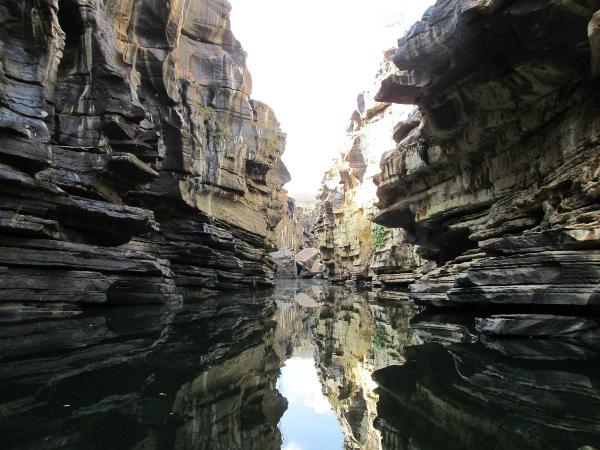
x=206, y=376
x=309, y=422
x=201, y=377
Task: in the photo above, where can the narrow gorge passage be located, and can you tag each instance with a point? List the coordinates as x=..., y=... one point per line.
x=398, y=249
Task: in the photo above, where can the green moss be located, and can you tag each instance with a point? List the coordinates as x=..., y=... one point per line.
x=218, y=136
x=379, y=337
x=379, y=234
x=207, y=113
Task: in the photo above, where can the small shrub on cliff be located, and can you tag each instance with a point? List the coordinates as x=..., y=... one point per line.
x=379, y=337
x=218, y=136
x=379, y=234
x=207, y=113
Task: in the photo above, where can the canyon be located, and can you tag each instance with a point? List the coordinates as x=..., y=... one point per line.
x=152, y=263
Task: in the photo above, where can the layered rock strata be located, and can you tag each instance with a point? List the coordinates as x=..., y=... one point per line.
x=295, y=230
x=294, y=234
x=506, y=394
x=351, y=247
x=134, y=166
x=498, y=181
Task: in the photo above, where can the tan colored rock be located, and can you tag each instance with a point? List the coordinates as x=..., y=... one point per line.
x=503, y=164
x=345, y=206
x=308, y=256
x=127, y=128
x=295, y=230
x=317, y=267
x=305, y=301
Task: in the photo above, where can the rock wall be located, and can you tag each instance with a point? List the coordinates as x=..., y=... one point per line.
x=134, y=166
x=295, y=230
x=350, y=247
x=498, y=181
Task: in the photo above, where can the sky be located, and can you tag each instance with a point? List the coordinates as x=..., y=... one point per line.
x=309, y=59
x=309, y=422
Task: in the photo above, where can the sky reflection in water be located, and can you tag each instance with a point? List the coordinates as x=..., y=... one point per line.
x=309, y=422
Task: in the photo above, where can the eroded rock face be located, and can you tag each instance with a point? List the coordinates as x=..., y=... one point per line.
x=134, y=166
x=345, y=234
x=498, y=182
x=295, y=230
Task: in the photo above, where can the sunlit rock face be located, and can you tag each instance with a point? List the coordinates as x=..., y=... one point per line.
x=355, y=337
x=498, y=182
x=293, y=233
x=134, y=166
x=295, y=230
x=200, y=376
x=345, y=203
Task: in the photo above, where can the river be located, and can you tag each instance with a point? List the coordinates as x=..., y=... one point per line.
x=305, y=366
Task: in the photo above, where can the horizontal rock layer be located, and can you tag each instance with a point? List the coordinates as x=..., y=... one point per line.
x=134, y=166
x=498, y=182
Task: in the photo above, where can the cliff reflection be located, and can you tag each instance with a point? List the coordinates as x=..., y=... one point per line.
x=501, y=394
x=200, y=377
x=372, y=371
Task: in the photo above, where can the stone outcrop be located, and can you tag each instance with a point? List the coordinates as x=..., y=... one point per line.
x=498, y=180
x=134, y=166
x=294, y=235
x=308, y=262
x=351, y=247
x=285, y=264
x=295, y=230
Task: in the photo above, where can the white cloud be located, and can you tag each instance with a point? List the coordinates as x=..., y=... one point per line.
x=309, y=59
x=299, y=383
x=291, y=446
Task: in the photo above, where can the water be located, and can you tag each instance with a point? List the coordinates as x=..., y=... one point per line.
x=306, y=366
x=309, y=423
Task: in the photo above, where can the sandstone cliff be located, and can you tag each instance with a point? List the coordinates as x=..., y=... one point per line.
x=134, y=166
x=352, y=248
x=295, y=230
x=499, y=180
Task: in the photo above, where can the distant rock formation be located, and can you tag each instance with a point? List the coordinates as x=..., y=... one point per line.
x=134, y=166
x=352, y=248
x=295, y=230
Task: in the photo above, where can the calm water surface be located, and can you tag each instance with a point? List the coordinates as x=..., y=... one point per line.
x=305, y=366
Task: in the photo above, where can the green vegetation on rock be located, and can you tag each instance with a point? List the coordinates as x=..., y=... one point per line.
x=379, y=234
x=379, y=337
